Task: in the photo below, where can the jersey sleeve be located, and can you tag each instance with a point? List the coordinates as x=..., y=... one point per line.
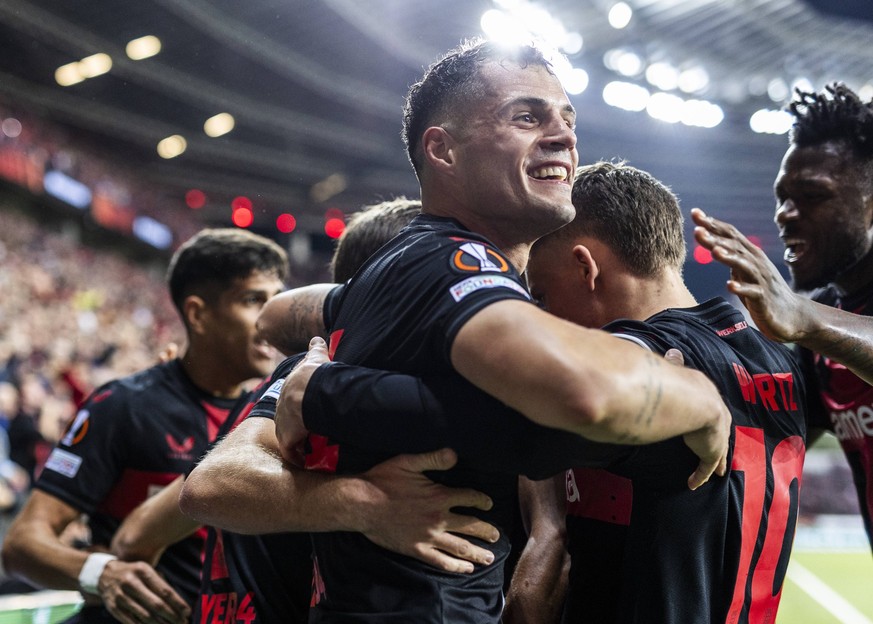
x=90, y=456
x=264, y=401
x=394, y=413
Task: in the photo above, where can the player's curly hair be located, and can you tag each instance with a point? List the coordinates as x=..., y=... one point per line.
x=834, y=114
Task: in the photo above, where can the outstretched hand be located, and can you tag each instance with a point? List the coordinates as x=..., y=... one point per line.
x=134, y=593
x=407, y=513
x=290, y=430
x=779, y=313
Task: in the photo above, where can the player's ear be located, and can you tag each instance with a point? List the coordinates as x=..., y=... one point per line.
x=194, y=309
x=588, y=269
x=438, y=146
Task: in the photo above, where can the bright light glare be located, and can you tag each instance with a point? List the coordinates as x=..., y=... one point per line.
x=628, y=64
x=665, y=107
x=702, y=114
x=143, y=47
x=626, y=95
x=575, y=81
x=95, y=65
x=778, y=90
x=68, y=74
x=803, y=84
x=620, y=15
x=662, y=75
x=11, y=127
x=219, y=124
x=866, y=92
x=572, y=43
x=693, y=80
x=499, y=26
x=771, y=121
x=172, y=146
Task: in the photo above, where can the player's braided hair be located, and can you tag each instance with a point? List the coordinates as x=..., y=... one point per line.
x=835, y=114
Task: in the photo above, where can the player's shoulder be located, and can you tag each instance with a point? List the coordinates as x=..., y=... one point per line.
x=132, y=388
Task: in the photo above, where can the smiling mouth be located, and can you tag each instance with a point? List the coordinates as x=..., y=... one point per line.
x=794, y=250
x=560, y=174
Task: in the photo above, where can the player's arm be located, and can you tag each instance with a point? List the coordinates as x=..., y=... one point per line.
x=590, y=383
x=288, y=320
x=780, y=313
x=539, y=583
x=34, y=552
x=157, y=523
x=242, y=485
x=393, y=413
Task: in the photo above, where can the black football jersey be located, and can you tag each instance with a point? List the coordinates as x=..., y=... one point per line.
x=132, y=437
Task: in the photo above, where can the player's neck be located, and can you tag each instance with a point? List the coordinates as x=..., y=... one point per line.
x=858, y=278
x=639, y=298
x=209, y=374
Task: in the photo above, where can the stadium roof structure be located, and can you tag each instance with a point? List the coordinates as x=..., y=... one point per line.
x=315, y=88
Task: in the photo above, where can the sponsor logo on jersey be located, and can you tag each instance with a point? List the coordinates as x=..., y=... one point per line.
x=727, y=331
x=478, y=282
x=180, y=450
x=852, y=424
x=77, y=428
x=775, y=391
x=274, y=390
x=63, y=462
x=477, y=258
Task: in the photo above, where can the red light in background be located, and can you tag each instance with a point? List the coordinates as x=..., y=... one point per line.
x=334, y=213
x=241, y=203
x=242, y=217
x=195, y=199
x=702, y=255
x=334, y=227
x=286, y=223
x=755, y=240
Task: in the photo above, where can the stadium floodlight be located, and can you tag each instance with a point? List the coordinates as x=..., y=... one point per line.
x=626, y=95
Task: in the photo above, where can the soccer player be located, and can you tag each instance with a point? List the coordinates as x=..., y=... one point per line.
x=644, y=547
x=136, y=434
x=265, y=578
x=490, y=133
x=824, y=213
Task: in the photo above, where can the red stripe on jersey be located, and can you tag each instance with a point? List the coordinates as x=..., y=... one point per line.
x=215, y=417
x=333, y=343
x=600, y=495
x=133, y=488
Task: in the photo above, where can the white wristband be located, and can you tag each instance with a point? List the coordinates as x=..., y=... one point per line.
x=90, y=573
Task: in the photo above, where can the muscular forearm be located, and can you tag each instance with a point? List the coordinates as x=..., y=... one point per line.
x=155, y=524
x=583, y=381
x=227, y=490
x=841, y=336
x=33, y=551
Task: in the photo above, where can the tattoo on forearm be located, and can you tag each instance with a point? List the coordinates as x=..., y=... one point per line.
x=305, y=318
x=652, y=394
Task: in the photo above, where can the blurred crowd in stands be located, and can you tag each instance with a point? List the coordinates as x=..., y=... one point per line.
x=70, y=318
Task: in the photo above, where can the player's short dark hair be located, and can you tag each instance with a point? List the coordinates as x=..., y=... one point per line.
x=631, y=211
x=449, y=85
x=210, y=261
x=367, y=231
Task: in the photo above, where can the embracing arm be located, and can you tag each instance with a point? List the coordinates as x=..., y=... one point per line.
x=242, y=485
x=155, y=524
x=539, y=583
x=780, y=313
x=591, y=383
x=368, y=407
x=288, y=320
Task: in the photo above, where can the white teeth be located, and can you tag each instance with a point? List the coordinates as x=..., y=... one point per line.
x=555, y=173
